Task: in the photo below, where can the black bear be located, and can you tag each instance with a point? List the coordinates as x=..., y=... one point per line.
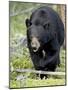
x=45, y=35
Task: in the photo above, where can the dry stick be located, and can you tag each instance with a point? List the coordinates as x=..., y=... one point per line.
x=38, y=71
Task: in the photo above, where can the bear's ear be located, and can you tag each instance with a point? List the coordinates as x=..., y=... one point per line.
x=28, y=23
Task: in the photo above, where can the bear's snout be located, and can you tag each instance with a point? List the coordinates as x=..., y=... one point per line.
x=35, y=44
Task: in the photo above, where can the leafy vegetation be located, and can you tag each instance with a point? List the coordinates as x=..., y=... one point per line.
x=37, y=83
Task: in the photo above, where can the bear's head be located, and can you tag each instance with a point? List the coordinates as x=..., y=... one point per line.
x=38, y=31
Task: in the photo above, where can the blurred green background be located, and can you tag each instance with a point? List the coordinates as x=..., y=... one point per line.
x=19, y=53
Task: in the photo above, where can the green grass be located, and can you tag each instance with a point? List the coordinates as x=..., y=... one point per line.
x=37, y=83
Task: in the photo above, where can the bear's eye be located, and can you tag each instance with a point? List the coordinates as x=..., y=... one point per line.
x=46, y=26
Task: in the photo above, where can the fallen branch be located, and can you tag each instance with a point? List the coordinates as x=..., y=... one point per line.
x=40, y=72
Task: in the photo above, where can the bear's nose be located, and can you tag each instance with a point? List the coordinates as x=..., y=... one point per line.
x=33, y=44
x=34, y=47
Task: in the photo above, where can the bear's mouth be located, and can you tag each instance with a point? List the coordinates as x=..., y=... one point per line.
x=35, y=49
